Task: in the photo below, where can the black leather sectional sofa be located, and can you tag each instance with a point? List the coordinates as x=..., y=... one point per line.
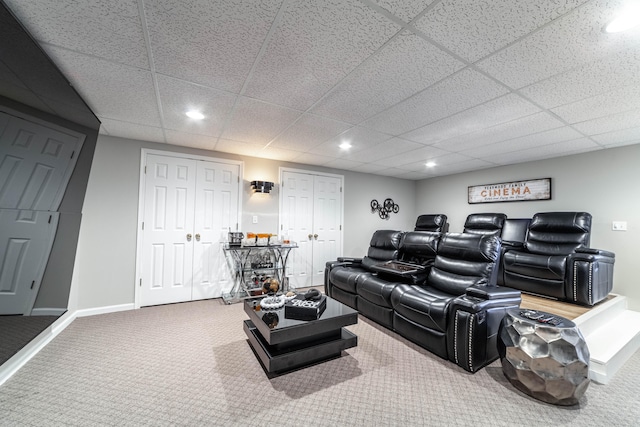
x=442, y=293
x=448, y=292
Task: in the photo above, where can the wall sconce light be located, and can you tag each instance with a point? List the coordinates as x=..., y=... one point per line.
x=261, y=186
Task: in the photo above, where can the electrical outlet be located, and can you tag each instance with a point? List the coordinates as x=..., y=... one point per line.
x=255, y=219
x=619, y=226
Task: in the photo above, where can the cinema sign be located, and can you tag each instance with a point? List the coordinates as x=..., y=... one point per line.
x=517, y=191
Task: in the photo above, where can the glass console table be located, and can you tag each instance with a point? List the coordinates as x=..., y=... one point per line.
x=251, y=266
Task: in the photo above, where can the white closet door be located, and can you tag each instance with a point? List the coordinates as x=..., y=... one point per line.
x=216, y=212
x=297, y=219
x=26, y=238
x=36, y=163
x=327, y=224
x=167, y=253
x=311, y=215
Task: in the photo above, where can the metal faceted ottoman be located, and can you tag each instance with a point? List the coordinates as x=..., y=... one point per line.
x=544, y=356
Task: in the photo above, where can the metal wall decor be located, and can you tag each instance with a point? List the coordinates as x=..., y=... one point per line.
x=384, y=208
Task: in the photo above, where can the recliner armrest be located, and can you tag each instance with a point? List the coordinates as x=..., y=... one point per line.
x=593, y=251
x=492, y=292
x=350, y=260
x=506, y=245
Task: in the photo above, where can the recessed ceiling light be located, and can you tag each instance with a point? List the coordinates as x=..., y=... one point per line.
x=628, y=18
x=345, y=146
x=430, y=164
x=195, y=115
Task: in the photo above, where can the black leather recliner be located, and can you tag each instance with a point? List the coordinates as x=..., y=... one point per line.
x=456, y=313
x=342, y=276
x=374, y=291
x=556, y=260
x=436, y=223
x=487, y=224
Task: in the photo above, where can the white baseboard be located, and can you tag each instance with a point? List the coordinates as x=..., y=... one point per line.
x=104, y=310
x=48, y=311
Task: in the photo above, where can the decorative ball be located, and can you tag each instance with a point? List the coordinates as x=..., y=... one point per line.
x=271, y=286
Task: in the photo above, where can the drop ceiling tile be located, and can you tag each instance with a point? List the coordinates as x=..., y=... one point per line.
x=625, y=136
x=568, y=42
x=476, y=29
x=309, y=132
x=110, y=30
x=442, y=161
x=404, y=9
x=131, y=130
x=368, y=168
x=500, y=110
x=177, y=97
x=532, y=124
x=213, y=43
x=566, y=148
x=255, y=150
x=391, y=75
x=312, y=159
x=360, y=139
x=625, y=120
x=602, y=76
x=315, y=45
x=459, y=92
x=623, y=99
x=112, y=90
x=257, y=121
x=342, y=164
x=185, y=139
x=540, y=139
x=421, y=154
x=381, y=152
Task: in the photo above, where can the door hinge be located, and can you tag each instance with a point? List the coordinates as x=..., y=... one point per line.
x=141, y=282
x=145, y=170
x=32, y=284
x=341, y=189
x=72, y=153
x=143, y=225
x=236, y=226
x=49, y=222
x=281, y=227
x=340, y=227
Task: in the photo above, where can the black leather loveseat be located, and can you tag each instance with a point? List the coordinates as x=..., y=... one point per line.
x=442, y=294
x=549, y=255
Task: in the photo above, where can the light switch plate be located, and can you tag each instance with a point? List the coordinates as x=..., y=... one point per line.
x=255, y=219
x=619, y=226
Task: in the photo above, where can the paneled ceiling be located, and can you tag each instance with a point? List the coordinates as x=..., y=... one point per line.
x=466, y=84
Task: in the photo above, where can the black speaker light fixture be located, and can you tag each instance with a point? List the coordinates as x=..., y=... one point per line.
x=261, y=186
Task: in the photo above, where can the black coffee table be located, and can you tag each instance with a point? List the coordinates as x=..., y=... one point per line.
x=283, y=344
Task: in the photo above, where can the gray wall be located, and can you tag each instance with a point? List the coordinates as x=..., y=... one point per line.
x=106, y=261
x=603, y=183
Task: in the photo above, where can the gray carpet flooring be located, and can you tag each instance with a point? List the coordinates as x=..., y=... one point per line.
x=190, y=365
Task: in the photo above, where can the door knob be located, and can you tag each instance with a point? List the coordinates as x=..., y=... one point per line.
x=310, y=236
x=315, y=236
x=189, y=237
x=198, y=237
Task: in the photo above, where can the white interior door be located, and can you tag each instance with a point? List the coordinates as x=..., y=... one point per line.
x=327, y=224
x=36, y=163
x=167, y=247
x=189, y=207
x=216, y=213
x=26, y=238
x=311, y=215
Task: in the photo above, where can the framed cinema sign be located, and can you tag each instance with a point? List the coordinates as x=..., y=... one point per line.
x=516, y=191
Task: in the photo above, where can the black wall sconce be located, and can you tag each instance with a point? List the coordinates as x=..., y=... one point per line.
x=261, y=186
